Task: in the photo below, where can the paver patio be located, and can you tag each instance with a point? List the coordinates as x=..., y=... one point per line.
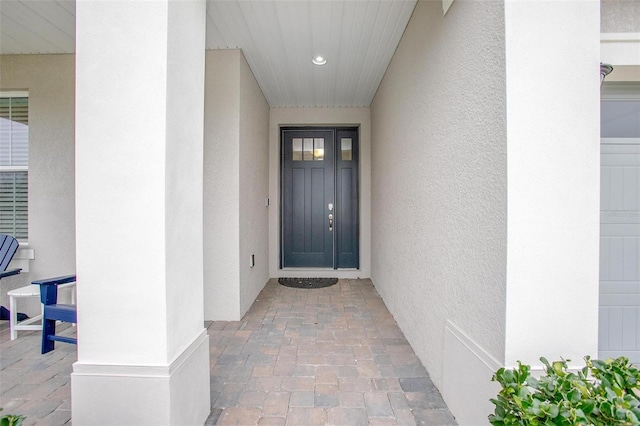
x=332, y=356
x=325, y=356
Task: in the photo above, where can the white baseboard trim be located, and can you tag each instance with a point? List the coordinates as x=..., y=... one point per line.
x=467, y=372
x=144, y=395
x=491, y=363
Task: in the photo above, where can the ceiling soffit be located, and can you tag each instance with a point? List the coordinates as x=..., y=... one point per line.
x=279, y=38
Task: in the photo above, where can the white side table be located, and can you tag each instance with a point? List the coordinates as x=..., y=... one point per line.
x=28, y=324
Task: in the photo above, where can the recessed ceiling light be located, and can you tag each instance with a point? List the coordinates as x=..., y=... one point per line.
x=319, y=60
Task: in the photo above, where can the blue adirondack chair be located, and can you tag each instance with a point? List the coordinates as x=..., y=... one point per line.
x=54, y=311
x=8, y=247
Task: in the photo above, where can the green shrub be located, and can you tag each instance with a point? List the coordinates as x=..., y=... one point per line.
x=10, y=420
x=602, y=393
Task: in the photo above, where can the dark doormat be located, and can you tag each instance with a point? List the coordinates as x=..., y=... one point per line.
x=307, y=282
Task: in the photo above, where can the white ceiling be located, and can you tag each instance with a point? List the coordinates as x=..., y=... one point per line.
x=278, y=37
x=37, y=26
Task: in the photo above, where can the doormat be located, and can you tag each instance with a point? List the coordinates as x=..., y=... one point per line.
x=307, y=282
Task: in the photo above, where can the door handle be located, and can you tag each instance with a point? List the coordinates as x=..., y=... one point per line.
x=330, y=222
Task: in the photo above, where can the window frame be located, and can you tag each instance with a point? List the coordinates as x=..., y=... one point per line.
x=14, y=169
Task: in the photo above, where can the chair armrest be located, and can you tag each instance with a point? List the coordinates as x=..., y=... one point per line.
x=10, y=272
x=56, y=281
x=49, y=288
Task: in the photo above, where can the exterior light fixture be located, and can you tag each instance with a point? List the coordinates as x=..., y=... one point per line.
x=605, y=70
x=319, y=60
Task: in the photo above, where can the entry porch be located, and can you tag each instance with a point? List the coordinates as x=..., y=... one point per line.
x=300, y=357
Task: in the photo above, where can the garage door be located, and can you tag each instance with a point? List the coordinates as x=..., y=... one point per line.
x=619, y=332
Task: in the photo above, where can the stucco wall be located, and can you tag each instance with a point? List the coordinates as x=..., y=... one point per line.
x=620, y=16
x=357, y=117
x=254, y=187
x=221, y=185
x=439, y=169
x=235, y=176
x=485, y=190
x=50, y=80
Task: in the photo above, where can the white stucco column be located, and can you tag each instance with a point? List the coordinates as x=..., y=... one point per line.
x=553, y=133
x=143, y=355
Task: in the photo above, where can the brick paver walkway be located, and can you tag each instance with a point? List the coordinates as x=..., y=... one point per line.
x=327, y=356
x=32, y=384
x=298, y=357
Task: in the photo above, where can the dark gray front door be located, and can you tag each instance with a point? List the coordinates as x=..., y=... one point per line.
x=320, y=198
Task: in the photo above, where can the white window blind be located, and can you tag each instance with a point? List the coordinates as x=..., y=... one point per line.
x=14, y=164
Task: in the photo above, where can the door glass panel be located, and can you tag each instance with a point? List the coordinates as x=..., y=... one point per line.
x=346, y=149
x=308, y=149
x=318, y=149
x=297, y=149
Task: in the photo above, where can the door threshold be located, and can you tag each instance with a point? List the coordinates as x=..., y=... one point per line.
x=319, y=269
x=307, y=269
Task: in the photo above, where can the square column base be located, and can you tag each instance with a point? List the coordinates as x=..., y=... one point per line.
x=177, y=394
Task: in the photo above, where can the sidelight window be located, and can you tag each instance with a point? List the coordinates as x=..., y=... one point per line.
x=346, y=148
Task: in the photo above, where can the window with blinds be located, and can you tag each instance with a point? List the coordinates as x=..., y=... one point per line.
x=14, y=164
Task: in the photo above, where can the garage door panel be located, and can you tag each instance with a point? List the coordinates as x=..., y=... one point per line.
x=619, y=300
x=605, y=184
x=616, y=259
x=616, y=188
x=603, y=327
x=619, y=258
x=629, y=328
x=615, y=329
x=619, y=160
x=620, y=146
x=610, y=230
x=630, y=189
x=604, y=259
x=619, y=287
x=630, y=261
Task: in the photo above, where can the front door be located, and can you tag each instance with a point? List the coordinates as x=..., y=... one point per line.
x=319, y=198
